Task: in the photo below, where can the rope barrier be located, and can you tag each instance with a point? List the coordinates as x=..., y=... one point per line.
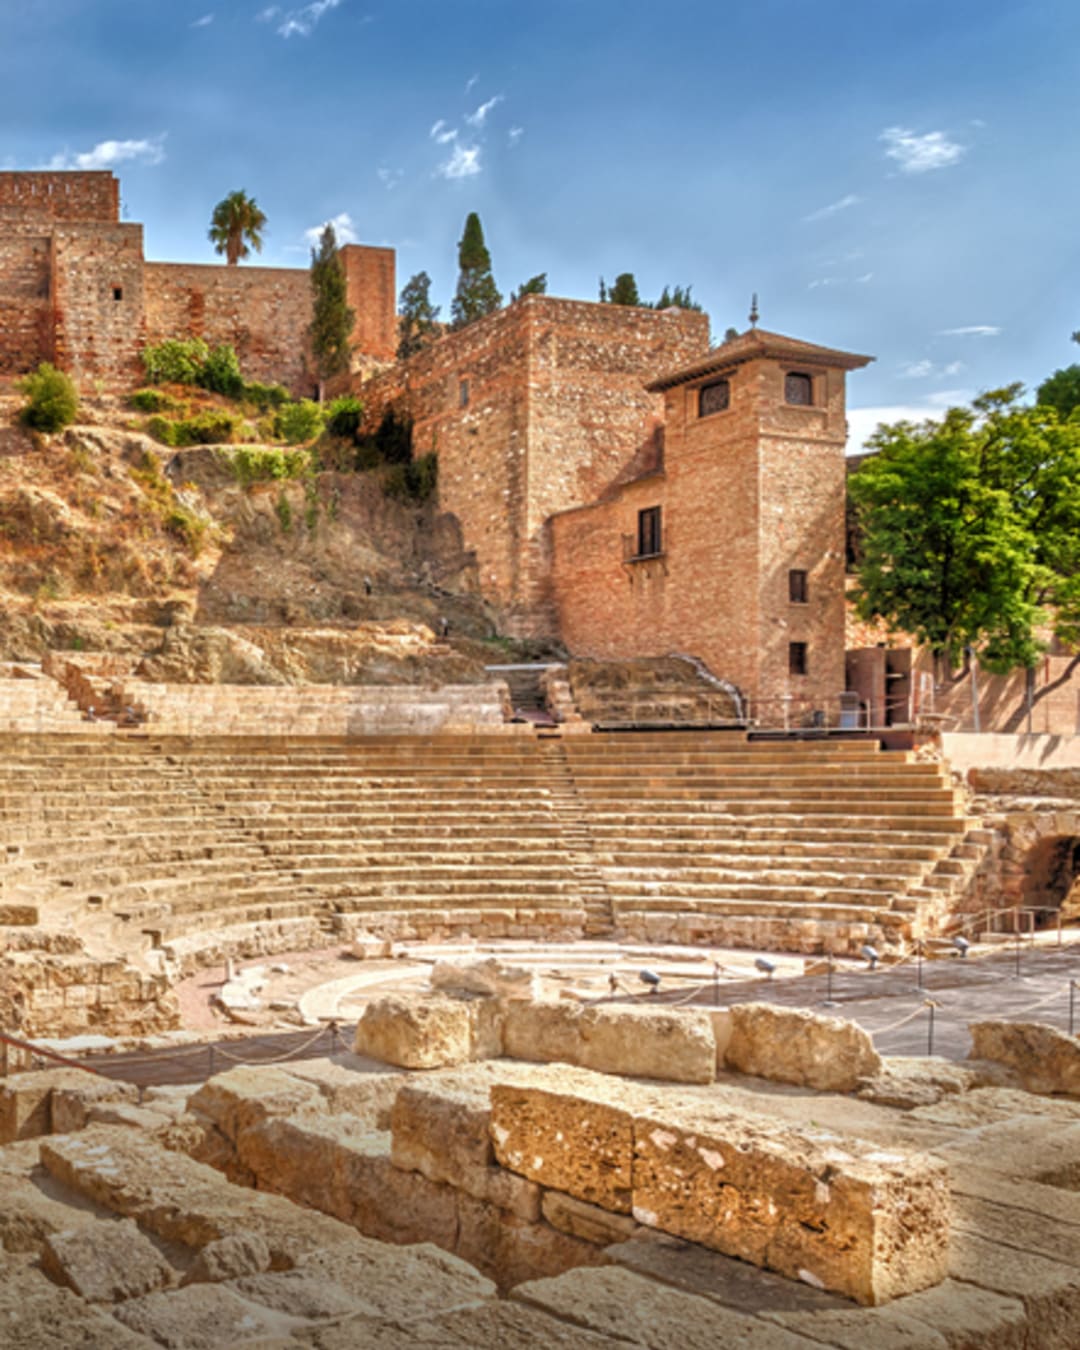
x=273, y=1059
x=908, y=1017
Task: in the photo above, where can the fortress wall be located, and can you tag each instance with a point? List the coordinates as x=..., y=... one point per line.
x=93, y=196
x=263, y=312
x=556, y=410
x=371, y=289
x=97, y=292
x=25, y=310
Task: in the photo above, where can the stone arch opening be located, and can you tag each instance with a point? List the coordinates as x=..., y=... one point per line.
x=1051, y=884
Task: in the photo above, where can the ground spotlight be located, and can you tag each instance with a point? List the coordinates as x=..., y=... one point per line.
x=650, y=978
x=766, y=966
x=871, y=955
x=961, y=944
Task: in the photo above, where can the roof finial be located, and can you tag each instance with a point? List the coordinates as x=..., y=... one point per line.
x=753, y=310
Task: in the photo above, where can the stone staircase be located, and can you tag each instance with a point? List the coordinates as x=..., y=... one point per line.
x=31, y=702
x=215, y=846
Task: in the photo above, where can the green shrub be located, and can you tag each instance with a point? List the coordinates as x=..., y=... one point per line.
x=343, y=416
x=415, y=481
x=393, y=438
x=266, y=464
x=212, y=426
x=284, y=513
x=154, y=401
x=220, y=373
x=299, y=422
x=162, y=429
x=175, y=361
x=265, y=397
x=52, y=402
x=186, y=526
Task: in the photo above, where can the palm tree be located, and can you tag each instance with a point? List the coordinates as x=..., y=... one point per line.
x=236, y=227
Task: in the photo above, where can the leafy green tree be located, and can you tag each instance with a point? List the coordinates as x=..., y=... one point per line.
x=970, y=529
x=623, y=291
x=417, y=316
x=51, y=399
x=476, y=293
x=536, y=285
x=679, y=298
x=1061, y=391
x=236, y=227
x=331, y=318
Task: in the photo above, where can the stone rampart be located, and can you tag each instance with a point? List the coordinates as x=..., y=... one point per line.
x=85, y=196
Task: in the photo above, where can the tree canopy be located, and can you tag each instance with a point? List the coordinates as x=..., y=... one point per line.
x=1061, y=390
x=417, y=316
x=236, y=227
x=536, y=285
x=970, y=529
x=476, y=293
x=332, y=319
x=623, y=290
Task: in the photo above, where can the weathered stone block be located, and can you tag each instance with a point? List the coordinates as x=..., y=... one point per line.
x=417, y=1032
x=568, y=1137
x=243, y=1097
x=229, y=1258
x=441, y=1128
x=1044, y=1058
x=590, y=1223
x=26, y=1101
x=546, y=1031
x=491, y=978
x=106, y=1262
x=791, y=1045
x=835, y=1213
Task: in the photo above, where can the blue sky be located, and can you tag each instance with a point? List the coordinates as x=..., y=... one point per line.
x=897, y=177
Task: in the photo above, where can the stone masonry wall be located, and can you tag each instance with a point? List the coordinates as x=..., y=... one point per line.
x=97, y=289
x=92, y=196
x=534, y=410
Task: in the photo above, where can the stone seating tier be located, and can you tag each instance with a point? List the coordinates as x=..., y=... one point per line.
x=177, y=841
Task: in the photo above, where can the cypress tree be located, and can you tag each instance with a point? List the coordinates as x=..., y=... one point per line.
x=332, y=319
x=416, y=316
x=476, y=293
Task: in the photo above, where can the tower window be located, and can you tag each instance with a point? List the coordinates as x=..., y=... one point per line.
x=649, y=538
x=714, y=398
x=798, y=590
x=799, y=389
x=796, y=662
x=118, y=292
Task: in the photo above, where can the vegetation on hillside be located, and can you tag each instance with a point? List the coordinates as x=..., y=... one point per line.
x=332, y=320
x=51, y=399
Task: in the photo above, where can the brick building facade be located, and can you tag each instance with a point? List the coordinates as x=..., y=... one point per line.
x=75, y=289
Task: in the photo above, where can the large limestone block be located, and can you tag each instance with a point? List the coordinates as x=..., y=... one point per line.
x=417, y=1032
x=106, y=1262
x=28, y=1216
x=441, y=1128
x=74, y=1105
x=1045, y=1059
x=590, y=1223
x=491, y=1326
x=26, y=1101
x=1048, y=1290
x=178, y=1199
x=676, y=1045
x=203, y=1317
x=510, y=1250
x=835, y=1213
x=36, y=1315
x=792, y=1045
x=351, y=1088
x=229, y=1258
x=570, y=1136
x=245, y=1096
x=337, y=1166
x=619, y=1303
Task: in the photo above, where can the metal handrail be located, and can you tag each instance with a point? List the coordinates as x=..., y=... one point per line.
x=6, y=1039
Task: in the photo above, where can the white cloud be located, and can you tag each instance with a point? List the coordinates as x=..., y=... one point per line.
x=823, y=212
x=442, y=134
x=464, y=162
x=344, y=229
x=515, y=135
x=863, y=422
x=473, y=80
x=204, y=22
x=840, y=281
x=950, y=398
x=479, y=117
x=106, y=154
x=299, y=22
x=972, y=330
x=390, y=178
x=268, y=15
x=927, y=369
x=920, y=154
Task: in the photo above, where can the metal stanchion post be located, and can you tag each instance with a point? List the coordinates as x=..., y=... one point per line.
x=716, y=983
x=1018, y=951
x=930, y=1027
x=918, y=964
x=828, y=977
